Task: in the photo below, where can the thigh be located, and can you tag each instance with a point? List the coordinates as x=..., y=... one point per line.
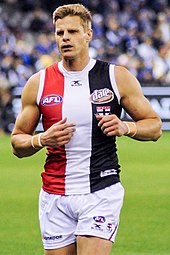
x=99, y=213
x=67, y=250
x=93, y=246
x=57, y=228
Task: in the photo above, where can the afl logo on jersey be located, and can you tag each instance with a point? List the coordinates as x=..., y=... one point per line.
x=101, y=96
x=51, y=100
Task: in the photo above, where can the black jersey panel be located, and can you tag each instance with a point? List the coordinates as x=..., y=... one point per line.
x=104, y=170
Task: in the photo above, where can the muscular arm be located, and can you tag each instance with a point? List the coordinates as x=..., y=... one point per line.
x=148, y=123
x=58, y=134
x=27, y=120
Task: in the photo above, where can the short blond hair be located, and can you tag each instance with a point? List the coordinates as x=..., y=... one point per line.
x=73, y=10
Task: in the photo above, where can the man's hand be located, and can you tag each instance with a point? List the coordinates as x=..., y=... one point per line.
x=111, y=125
x=58, y=134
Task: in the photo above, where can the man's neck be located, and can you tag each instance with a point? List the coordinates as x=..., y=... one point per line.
x=75, y=64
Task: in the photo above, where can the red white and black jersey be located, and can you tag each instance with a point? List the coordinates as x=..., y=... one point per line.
x=89, y=161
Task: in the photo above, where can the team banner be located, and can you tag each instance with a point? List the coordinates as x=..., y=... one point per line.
x=159, y=97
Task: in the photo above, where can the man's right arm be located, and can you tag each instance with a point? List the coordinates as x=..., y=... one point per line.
x=23, y=140
x=27, y=120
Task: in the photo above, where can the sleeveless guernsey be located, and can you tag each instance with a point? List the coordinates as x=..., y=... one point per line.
x=89, y=161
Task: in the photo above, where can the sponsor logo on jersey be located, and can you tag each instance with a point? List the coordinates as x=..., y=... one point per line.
x=108, y=172
x=99, y=219
x=76, y=83
x=103, y=110
x=50, y=100
x=101, y=96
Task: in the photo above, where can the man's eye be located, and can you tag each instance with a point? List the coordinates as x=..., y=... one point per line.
x=59, y=33
x=72, y=31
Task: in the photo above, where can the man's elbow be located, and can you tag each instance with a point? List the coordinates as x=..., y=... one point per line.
x=157, y=134
x=16, y=153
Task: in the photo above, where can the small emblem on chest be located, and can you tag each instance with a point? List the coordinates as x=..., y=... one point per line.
x=101, y=96
x=76, y=83
x=103, y=110
x=52, y=99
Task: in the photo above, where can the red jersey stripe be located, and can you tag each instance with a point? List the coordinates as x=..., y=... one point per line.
x=51, y=107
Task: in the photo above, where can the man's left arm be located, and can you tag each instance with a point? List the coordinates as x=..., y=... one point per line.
x=145, y=124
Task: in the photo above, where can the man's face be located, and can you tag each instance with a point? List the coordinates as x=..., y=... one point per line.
x=71, y=37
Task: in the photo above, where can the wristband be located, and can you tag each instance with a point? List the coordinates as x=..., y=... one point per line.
x=36, y=141
x=132, y=128
x=39, y=140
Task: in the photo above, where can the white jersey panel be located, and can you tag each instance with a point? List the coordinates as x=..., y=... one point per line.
x=77, y=109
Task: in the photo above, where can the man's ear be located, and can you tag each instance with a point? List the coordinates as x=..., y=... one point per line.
x=89, y=35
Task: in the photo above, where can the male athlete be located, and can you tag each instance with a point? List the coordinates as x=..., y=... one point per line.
x=80, y=101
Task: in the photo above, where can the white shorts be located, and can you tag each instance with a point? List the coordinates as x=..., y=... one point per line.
x=62, y=218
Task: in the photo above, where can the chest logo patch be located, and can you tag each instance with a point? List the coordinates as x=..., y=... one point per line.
x=51, y=100
x=103, y=110
x=101, y=96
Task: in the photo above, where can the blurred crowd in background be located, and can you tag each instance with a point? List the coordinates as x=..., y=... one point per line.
x=135, y=34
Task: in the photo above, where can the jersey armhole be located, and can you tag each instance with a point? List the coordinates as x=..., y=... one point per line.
x=113, y=81
x=41, y=85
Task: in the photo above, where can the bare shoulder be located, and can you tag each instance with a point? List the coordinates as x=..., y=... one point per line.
x=29, y=115
x=126, y=82
x=30, y=90
x=132, y=98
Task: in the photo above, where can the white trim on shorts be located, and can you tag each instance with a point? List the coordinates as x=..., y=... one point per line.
x=62, y=218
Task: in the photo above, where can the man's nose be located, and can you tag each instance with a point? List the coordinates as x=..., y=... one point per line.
x=65, y=36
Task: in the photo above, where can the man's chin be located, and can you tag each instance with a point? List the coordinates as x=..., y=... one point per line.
x=68, y=57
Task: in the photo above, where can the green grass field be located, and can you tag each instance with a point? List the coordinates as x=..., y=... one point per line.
x=145, y=218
